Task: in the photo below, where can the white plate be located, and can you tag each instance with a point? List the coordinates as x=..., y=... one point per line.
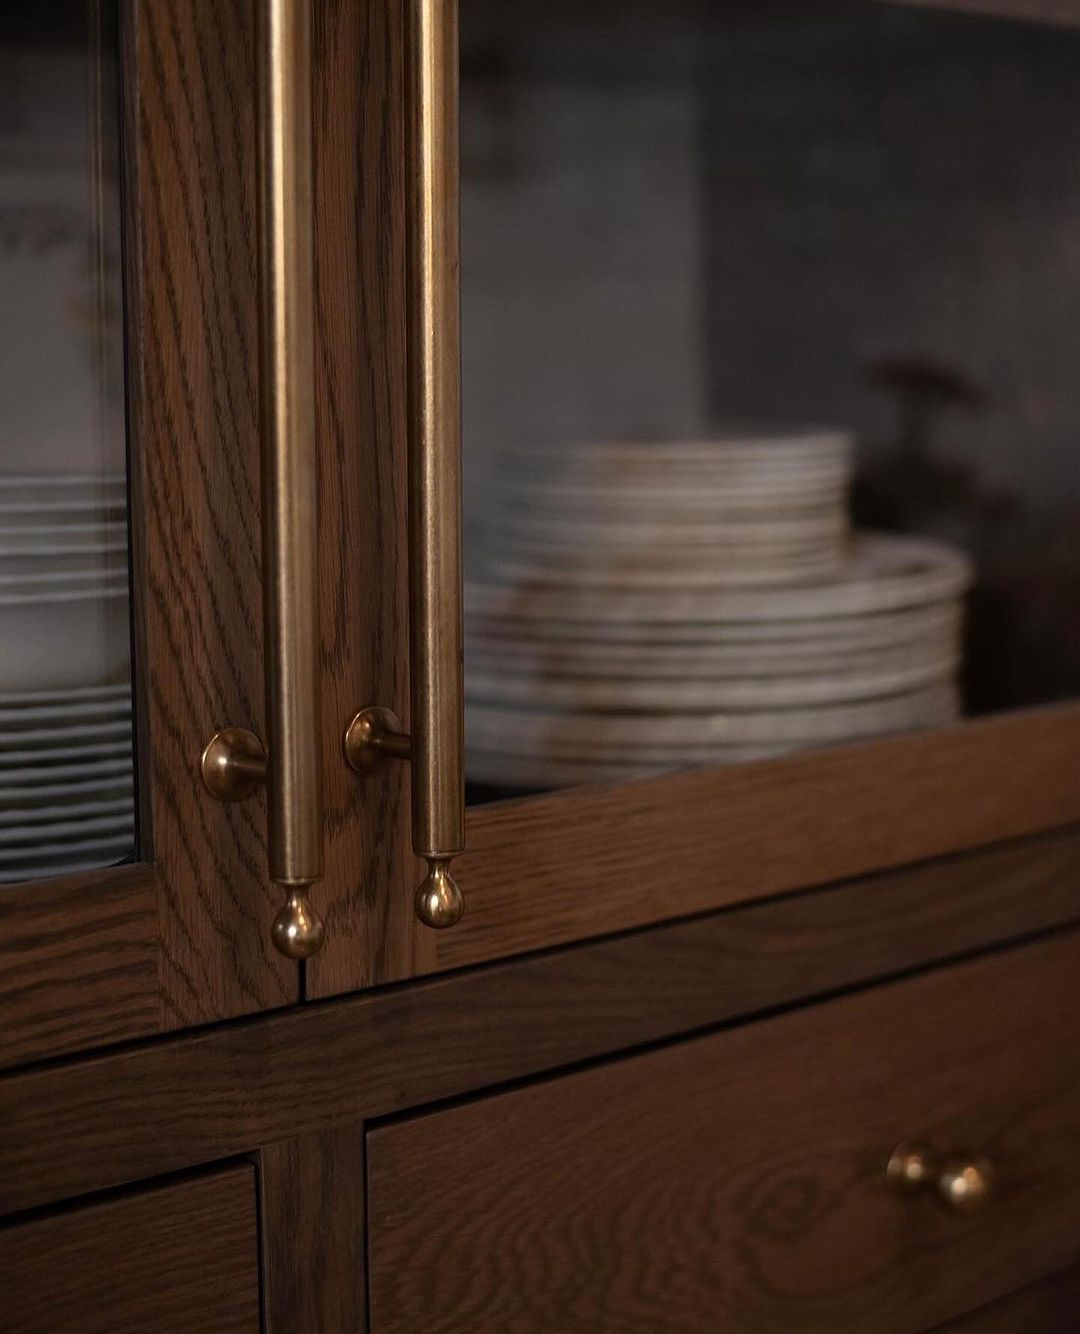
x=19, y=843
x=74, y=563
x=713, y=531
x=21, y=596
x=83, y=575
x=75, y=810
x=752, y=444
x=558, y=497
x=648, y=573
x=63, y=735
x=20, y=510
x=116, y=787
x=884, y=573
x=55, y=483
x=101, y=766
x=79, y=711
x=91, y=694
x=709, y=660
x=880, y=629
x=61, y=535
x=782, y=692
x=525, y=731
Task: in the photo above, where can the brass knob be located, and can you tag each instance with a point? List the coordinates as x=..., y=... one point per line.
x=963, y=1183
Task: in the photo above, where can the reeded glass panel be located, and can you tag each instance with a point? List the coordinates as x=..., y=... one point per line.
x=66, y=784
x=771, y=403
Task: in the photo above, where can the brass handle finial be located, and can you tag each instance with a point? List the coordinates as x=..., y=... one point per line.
x=373, y=738
x=964, y=1184
x=235, y=762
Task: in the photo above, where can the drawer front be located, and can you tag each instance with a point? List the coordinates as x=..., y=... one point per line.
x=737, y=1181
x=1048, y=1307
x=180, y=1259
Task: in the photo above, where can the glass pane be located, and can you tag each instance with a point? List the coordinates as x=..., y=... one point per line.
x=66, y=777
x=770, y=395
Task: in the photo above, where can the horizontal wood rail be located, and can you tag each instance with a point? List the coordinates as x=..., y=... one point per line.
x=593, y=861
x=103, y=1121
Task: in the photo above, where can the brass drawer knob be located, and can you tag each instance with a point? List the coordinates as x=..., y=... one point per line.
x=963, y=1183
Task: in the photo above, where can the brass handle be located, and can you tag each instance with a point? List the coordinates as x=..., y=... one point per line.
x=436, y=745
x=291, y=770
x=961, y=1182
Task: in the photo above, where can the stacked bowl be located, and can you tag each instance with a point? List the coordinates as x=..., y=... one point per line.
x=66, y=775
x=648, y=606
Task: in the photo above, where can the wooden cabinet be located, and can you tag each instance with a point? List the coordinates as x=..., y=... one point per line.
x=731, y=933
x=739, y=1180
x=176, y=1257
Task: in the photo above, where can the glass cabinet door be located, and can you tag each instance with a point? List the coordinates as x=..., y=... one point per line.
x=66, y=756
x=770, y=403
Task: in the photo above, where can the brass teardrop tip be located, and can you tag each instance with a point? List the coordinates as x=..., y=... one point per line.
x=439, y=900
x=297, y=931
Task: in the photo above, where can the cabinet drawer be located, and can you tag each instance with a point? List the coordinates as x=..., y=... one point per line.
x=1047, y=1307
x=179, y=1259
x=737, y=1181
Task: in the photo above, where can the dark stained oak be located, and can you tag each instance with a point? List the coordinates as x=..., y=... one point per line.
x=736, y=1182
x=1049, y=1307
x=191, y=202
x=1065, y=12
x=78, y=966
x=312, y=1195
x=366, y=896
x=107, y=1120
x=177, y=1259
x=583, y=863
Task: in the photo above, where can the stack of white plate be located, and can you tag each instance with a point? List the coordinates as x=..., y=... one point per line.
x=66, y=784
x=755, y=508
x=624, y=659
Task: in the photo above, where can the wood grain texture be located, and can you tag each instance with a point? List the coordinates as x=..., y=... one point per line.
x=117, y=1118
x=366, y=896
x=197, y=518
x=312, y=1195
x=1065, y=12
x=180, y=1259
x=578, y=864
x=737, y=1182
x=1049, y=1307
x=79, y=963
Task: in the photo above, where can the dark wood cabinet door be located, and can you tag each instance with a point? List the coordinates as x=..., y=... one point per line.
x=556, y=867
x=177, y=935
x=176, y=1259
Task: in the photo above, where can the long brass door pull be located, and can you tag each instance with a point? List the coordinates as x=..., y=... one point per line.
x=235, y=762
x=436, y=744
